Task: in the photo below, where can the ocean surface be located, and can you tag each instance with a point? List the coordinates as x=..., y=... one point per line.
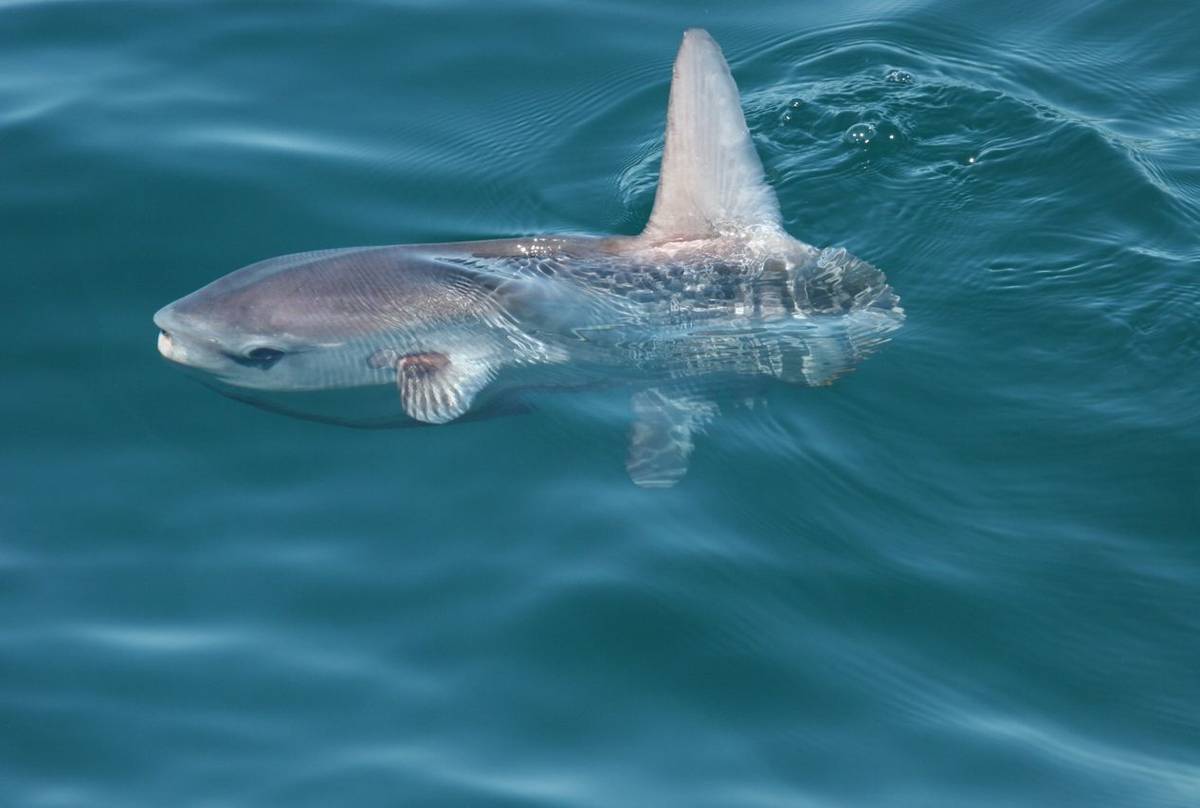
x=967, y=574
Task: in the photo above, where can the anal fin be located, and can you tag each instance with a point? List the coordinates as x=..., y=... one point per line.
x=661, y=438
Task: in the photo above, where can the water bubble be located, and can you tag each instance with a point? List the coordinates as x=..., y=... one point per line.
x=898, y=77
x=795, y=103
x=860, y=134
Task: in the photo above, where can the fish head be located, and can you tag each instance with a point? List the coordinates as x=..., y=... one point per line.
x=320, y=321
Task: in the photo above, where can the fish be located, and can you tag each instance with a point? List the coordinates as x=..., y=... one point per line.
x=713, y=296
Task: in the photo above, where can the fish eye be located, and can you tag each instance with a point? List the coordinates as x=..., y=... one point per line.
x=271, y=355
x=261, y=357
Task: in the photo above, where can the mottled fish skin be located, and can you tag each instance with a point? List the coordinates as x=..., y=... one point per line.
x=713, y=289
x=690, y=309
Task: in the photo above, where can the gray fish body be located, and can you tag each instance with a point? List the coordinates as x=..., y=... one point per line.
x=615, y=307
x=712, y=292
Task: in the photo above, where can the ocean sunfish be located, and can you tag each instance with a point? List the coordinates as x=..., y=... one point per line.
x=713, y=295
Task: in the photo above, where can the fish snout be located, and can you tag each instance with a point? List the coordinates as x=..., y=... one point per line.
x=201, y=344
x=166, y=339
x=178, y=343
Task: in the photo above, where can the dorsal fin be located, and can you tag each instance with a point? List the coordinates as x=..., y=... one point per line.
x=711, y=179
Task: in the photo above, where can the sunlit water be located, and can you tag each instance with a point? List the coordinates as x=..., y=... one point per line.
x=965, y=574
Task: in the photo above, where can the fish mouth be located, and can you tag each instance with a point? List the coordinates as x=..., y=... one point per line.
x=177, y=345
x=171, y=350
x=169, y=346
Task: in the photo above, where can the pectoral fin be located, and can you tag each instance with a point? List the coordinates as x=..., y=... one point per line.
x=436, y=388
x=661, y=438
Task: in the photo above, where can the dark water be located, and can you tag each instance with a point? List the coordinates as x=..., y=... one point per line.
x=966, y=574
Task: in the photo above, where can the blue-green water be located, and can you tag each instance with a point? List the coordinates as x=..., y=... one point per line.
x=966, y=574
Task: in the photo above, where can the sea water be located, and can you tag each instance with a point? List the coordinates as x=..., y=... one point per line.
x=967, y=573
